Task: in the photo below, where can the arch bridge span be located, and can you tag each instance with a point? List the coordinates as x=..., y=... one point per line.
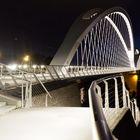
x=99, y=39
x=99, y=42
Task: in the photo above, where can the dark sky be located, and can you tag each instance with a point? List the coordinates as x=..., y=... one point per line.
x=40, y=26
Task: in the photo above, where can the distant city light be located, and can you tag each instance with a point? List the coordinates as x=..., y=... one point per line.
x=12, y=66
x=34, y=66
x=19, y=66
x=25, y=66
x=42, y=66
x=1, y=66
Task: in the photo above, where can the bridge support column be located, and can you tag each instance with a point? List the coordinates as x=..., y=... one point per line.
x=116, y=94
x=106, y=94
x=123, y=90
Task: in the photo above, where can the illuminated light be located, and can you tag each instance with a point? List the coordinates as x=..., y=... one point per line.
x=19, y=66
x=135, y=78
x=34, y=66
x=12, y=66
x=1, y=66
x=42, y=66
x=25, y=66
x=26, y=58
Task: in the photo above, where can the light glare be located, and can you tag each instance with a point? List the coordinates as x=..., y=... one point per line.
x=12, y=66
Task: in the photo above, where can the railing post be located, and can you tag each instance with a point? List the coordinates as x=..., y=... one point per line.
x=50, y=74
x=128, y=98
x=55, y=71
x=106, y=94
x=116, y=94
x=132, y=109
x=28, y=95
x=136, y=111
x=123, y=90
x=22, y=92
x=46, y=101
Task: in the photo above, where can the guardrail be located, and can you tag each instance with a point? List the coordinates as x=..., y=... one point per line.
x=107, y=97
x=53, y=72
x=11, y=77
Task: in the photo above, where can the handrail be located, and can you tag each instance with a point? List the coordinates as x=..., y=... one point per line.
x=63, y=72
x=113, y=100
x=18, y=77
x=101, y=130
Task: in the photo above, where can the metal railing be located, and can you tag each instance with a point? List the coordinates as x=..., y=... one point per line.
x=108, y=98
x=26, y=77
x=54, y=72
x=13, y=78
x=51, y=72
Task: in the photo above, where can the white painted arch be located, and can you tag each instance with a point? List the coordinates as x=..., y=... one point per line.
x=81, y=28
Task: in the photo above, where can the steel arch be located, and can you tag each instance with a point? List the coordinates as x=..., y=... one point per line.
x=82, y=27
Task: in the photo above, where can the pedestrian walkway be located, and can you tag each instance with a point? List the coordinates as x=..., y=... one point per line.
x=61, y=123
x=4, y=108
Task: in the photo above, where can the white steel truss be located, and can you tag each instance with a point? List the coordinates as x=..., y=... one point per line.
x=109, y=43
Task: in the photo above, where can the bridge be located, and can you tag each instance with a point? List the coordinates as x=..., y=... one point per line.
x=99, y=43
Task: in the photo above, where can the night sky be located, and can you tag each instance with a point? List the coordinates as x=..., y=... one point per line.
x=39, y=27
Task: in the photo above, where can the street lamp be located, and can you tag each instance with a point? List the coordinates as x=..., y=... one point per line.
x=27, y=61
x=26, y=58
